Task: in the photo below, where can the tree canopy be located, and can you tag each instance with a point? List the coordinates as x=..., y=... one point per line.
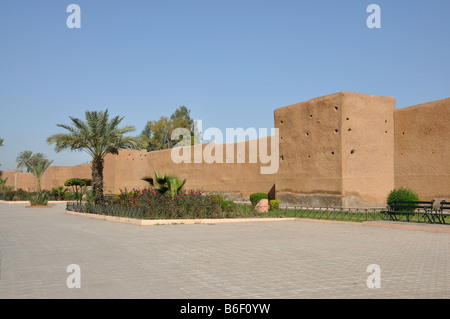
x=157, y=134
x=98, y=135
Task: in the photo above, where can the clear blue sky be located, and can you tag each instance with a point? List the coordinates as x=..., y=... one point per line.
x=231, y=62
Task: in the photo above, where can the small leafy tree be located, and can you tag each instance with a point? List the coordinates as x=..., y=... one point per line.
x=1, y=141
x=78, y=184
x=166, y=184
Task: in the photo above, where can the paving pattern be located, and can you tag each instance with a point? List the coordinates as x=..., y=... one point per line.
x=289, y=259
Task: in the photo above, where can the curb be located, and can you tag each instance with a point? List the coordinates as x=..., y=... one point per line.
x=153, y=222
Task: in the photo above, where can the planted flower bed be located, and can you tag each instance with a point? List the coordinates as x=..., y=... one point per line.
x=150, y=204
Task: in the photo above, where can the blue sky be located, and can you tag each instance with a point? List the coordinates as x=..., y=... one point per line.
x=231, y=62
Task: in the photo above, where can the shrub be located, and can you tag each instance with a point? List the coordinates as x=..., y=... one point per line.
x=402, y=194
x=8, y=193
x=166, y=184
x=39, y=199
x=228, y=206
x=22, y=194
x=274, y=204
x=256, y=197
x=57, y=193
x=217, y=198
x=153, y=204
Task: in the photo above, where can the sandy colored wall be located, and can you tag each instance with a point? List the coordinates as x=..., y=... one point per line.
x=17, y=179
x=54, y=176
x=422, y=149
x=232, y=179
x=367, y=134
x=125, y=171
x=309, y=173
x=336, y=150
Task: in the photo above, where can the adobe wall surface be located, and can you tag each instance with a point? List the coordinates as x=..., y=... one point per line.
x=126, y=170
x=367, y=134
x=17, y=179
x=422, y=149
x=54, y=176
x=336, y=150
x=310, y=170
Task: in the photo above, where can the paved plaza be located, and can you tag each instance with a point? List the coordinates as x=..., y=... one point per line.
x=285, y=259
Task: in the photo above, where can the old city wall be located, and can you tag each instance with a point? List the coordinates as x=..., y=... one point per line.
x=422, y=149
x=344, y=149
x=336, y=150
x=124, y=172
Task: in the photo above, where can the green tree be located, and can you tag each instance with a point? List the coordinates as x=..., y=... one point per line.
x=157, y=135
x=1, y=141
x=23, y=160
x=38, y=164
x=78, y=184
x=97, y=136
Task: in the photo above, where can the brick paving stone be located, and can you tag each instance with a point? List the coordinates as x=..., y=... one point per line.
x=289, y=259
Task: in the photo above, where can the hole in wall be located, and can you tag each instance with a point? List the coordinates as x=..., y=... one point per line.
x=347, y=119
x=309, y=156
x=281, y=121
x=310, y=116
x=307, y=133
x=336, y=108
x=403, y=133
x=385, y=131
x=349, y=130
x=282, y=157
x=336, y=130
x=352, y=151
x=332, y=153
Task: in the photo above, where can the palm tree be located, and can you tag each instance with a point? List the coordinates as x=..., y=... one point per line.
x=97, y=136
x=38, y=165
x=23, y=160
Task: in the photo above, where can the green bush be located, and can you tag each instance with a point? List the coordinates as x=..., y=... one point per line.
x=228, y=206
x=274, y=204
x=39, y=199
x=256, y=197
x=402, y=194
x=217, y=198
x=8, y=193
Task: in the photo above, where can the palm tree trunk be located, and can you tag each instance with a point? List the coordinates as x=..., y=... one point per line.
x=97, y=179
x=38, y=183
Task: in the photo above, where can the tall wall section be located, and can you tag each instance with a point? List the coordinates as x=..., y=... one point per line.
x=422, y=149
x=336, y=150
